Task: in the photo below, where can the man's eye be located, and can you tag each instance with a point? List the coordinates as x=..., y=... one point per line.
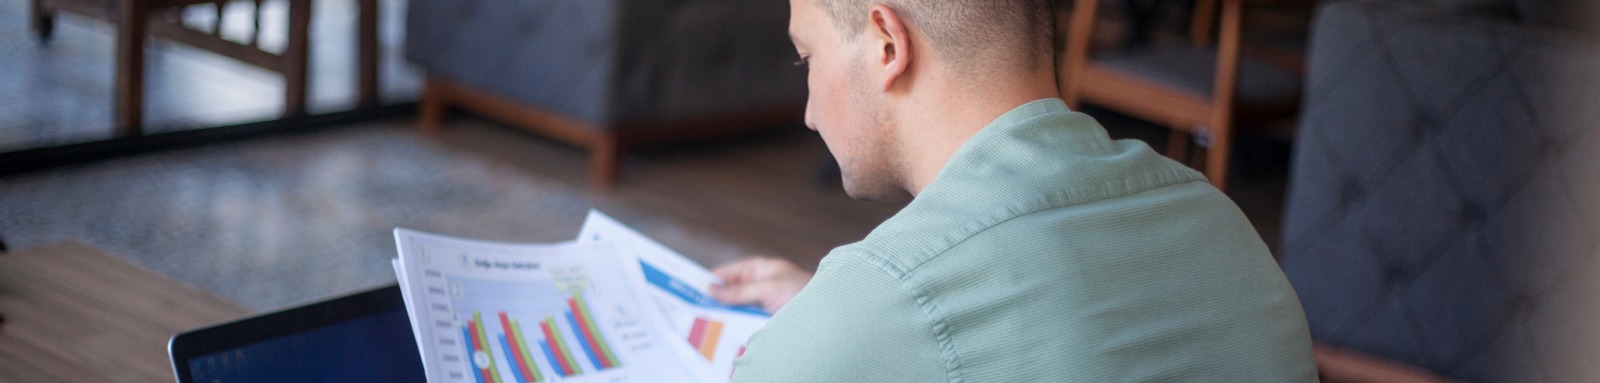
x=803, y=61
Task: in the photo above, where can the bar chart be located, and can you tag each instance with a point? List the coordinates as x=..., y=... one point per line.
x=490, y=312
x=704, y=336
x=566, y=341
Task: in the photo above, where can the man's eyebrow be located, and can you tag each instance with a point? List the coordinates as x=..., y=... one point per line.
x=794, y=38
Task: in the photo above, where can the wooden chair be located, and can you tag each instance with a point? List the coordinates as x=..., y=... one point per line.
x=1191, y=89
x=135, y=19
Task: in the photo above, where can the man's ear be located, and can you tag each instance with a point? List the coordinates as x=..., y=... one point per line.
x=893, y=41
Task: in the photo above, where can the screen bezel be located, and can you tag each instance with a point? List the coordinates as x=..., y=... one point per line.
x=244, y=332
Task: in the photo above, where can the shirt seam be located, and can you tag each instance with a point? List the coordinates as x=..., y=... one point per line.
x=1135, y=184
x=930, y=312
x=1140, y=183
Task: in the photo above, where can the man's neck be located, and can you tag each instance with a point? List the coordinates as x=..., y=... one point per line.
x=933, y=127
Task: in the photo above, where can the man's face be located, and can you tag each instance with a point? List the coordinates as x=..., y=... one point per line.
x=844, y=106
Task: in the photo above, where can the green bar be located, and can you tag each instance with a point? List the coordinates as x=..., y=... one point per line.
x=483, y=335
x=561, y=343
x=527, y=353
x=587, y=318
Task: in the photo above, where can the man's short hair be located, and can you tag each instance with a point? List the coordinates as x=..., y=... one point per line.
x=968, y=33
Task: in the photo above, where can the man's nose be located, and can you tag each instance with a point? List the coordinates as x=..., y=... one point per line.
x=810, y=123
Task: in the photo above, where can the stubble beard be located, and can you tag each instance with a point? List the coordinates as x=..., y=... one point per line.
x=875, y=174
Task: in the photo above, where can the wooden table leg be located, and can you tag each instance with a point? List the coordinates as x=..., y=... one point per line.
x=367, y=41
x=132, y=19
x=43, y=19
x=296, y=57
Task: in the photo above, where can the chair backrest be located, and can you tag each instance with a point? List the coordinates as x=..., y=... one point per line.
x=1442, y=194
x=1080, y=37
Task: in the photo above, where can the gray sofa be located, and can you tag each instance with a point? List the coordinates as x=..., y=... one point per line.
x=1444, y=207
x=609, y=74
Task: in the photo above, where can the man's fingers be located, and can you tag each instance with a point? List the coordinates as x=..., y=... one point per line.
x=744, y=270
x=765, y=281
x=733, y=273
x=741, y=294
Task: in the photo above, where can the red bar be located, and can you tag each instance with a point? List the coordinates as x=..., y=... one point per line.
x=516, y=352
x=472, y=326
x=697, y=334
x=555, y=348
x=588, y=334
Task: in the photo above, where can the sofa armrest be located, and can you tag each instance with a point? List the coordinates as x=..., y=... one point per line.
x=558, y=55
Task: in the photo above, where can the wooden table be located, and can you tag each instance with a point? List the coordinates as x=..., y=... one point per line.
x=138, y=19
x=74, y=314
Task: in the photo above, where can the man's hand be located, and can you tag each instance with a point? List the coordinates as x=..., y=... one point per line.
x=769, y=282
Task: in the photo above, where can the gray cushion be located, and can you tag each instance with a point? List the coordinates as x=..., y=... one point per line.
x=614, y=63
x=559, y=55
x=1442, y=195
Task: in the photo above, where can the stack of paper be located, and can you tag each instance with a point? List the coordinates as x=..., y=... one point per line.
x=610, y=306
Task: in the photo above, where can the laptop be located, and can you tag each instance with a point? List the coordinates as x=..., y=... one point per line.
x=362, y=337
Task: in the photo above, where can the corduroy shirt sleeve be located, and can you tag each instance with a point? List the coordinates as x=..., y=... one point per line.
x=853, y=323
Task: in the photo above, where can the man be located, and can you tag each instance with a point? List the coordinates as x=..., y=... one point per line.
x=1034, y=247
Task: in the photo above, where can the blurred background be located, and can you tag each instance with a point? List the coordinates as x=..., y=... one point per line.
x=1427, y=172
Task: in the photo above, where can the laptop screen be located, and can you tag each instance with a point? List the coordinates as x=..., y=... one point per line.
x=364, y=337
x=361, y=350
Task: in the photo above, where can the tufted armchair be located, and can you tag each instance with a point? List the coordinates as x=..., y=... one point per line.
x=1443, y=208
x=608, y=75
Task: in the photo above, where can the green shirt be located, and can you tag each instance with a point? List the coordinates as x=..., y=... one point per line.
x=1045, y=251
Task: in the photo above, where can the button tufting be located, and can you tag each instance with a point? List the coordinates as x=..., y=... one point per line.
x=1421, y=128
x=1396, y=277
x=1472, y=214
x=1481, y=151
x=1350, y=193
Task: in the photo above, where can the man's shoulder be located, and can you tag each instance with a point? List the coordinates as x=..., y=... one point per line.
x=938, y=225
x=1040, y=158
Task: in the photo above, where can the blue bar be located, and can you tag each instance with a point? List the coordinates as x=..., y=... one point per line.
x=514, y=363
x=583, y=341
x=689, y=294
x=472, y=363
x=544, y=344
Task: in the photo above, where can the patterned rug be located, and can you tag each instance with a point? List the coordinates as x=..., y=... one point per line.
x=284, y=220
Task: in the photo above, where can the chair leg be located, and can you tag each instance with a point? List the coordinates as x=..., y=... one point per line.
x=1178, y=146
x=604, y=156
x=1076, y=58
x=129, y=104
x=1221, y=124
x=430, y=116
x=43, y=19
x=1217, y=156
x=367, y=62
x=297, y=58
